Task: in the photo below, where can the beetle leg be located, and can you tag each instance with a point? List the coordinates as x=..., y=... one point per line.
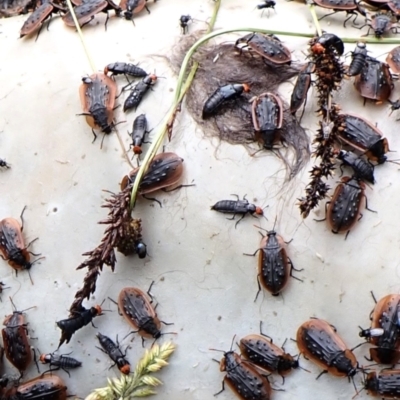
x=259, y=287
x=223, y=388
x=167, y=323
x=238, y=220
x=108, y=17
x=320, y=220
x=292, y=266
x=48, y=25
x=291, y=270
x=94, y=134
x=264, y=334
x=327, y=15
x=148, y=292
x=94, y=326
x=147, y=9
x=66, y=371
x=178, y=187
x=366, y=205
x=252, y=255
x=152, y=199
x=323, y=372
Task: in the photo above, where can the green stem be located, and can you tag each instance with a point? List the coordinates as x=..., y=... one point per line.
x=315, y=19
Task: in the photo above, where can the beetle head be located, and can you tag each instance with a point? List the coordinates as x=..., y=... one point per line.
x=45, y=358
x=125, y=369
x=96, y=310
x=141, y=250
x=137, y=149
x=128, y=15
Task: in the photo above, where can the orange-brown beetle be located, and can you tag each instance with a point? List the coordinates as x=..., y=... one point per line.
x=164, y=171
x=87, y=10
x=393, y=60
x=138, y=311
x=243, y=378
x=318, y=341
x=384, y=331
x=37, y=18
x=351, y=7
x=385, y=384
x=133, y=7
x=260, y=350
x=375, y=81
x=15, y=339
x=12, y=244
x=44, y=387
x=97, y=94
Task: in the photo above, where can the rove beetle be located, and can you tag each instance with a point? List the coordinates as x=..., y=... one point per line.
x=78, y=320
x=241, y=207
x=138, y=311
x=267, y=117
x=358, y=59
x=121, y=68
x=301, y=87
x=243, y=377
x=260, y=350
x=43, y=387
x=363, y=169
x=139, y=130
x=12, y=245
x=221, y=95
x=318, y=341
x=136, y=95
x=59, y=361
x=115, y=353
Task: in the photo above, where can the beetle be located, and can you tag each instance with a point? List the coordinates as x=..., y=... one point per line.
x=87, y=10
x=60, y=361
x=327, y=42
x=351, y=7
x=241, y=207
x=380, y=23
x=164, y=171
x=358, y=59
x=133, y=7
x=183, y=21
x=393, y=60
x=12, y=244
x=363, y=136
x=267, y=117
x=139, y=130
x=44, y=387
x=138, y=311
x=344, y=209
x=243, y=378
x=119, y=68
x=384, y=384
x=267, y=4
x=16, y=7
x=274, y=265
x=78, y=320
x=15, y=339
x=138, y=92
x=375, y=81
x=37, y=18
x=221, y=95
x=394, y=5
x=261, y=351
x=362, y=169
x=3, y=164
x=114, y=352
x=269, y=47
x=384, y=331
x=301, y=87
x=318, y=341
x=97, y=94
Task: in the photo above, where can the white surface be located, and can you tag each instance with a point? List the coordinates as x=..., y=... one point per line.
x=208, y=287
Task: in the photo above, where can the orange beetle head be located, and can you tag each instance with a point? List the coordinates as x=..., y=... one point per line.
x=317, y=48
x=125, y=369
x=98, y=309
x=43, y=358
x=246, y=87
x=259, y=211
x=137, y=149
x=153, y=78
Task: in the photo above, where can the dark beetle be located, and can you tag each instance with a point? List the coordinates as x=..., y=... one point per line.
x=384, y=331
x=3, y=164
x=358, y=59
x=381, y=23
x=12, y=244
x=384, y=384
x=327, y=42
x=44, y=387
x=375, y=81
x=221, y=95
x=351, y=7
x=243, y=378
x=267, y=4
x=37, y=18
x=138, y=92
x=183, y=21
x=79, y=319
x=59, y=361
x=138, y=133
x=139, y=313
x=345, y=207
x=267, y=46
x=241, y=207
x=300, y=90
x=260, y=350
x=97, y=94
x=114, y=352
x=87, y=10
x=267, y=117
x=318, y=341
x=133, y=7
x=393, y=60
x=362, y=169
x=363, y=136
x=119, y=68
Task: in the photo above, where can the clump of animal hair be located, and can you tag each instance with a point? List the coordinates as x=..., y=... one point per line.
x=223, y=64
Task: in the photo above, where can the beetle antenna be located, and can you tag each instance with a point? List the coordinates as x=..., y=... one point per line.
x=355, y=387
x=221, y=351
x=259, y=227
x=233, y=340
x=273, y=228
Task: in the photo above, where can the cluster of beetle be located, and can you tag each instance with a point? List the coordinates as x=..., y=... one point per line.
x=319, y=342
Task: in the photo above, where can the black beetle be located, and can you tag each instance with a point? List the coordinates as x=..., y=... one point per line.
x=301, y=87
x=138, y=92
x=358, y=59
x=114, y=352
x=362, y=169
